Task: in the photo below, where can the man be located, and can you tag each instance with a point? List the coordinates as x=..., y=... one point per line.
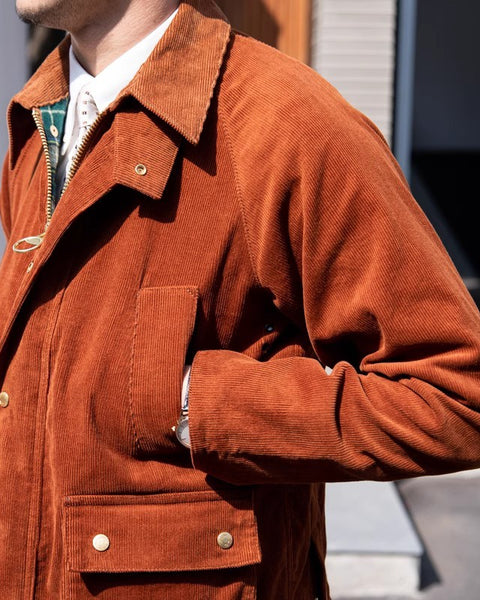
x=223, y=208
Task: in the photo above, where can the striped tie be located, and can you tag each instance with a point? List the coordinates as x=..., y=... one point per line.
x=87, y=112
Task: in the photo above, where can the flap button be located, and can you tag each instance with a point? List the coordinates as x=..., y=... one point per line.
x=141, y=169
x=225, y=540
x=101, y=542
x=4, y=399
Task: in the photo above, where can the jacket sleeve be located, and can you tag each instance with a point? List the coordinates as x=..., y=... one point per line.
x=341, y=239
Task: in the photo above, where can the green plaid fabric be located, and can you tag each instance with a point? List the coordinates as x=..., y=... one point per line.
x=53, y=117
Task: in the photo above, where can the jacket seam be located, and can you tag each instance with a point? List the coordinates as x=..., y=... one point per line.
x=238, y=190
x=36, y=500
x=130, y=382
x=66, y=586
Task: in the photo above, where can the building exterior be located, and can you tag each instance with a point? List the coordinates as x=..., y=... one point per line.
x=353, y=47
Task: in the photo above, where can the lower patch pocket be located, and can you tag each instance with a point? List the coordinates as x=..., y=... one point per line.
x=195, y=546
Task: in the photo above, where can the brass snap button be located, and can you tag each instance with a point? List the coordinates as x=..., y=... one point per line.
x=101, y=542
x=225, y=540
x=4, y=399
x=141, y=169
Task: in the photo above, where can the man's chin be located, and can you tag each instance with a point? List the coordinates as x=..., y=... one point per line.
x=38, y=14
x=30, y=16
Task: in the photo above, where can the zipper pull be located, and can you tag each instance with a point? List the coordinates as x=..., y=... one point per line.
x=33, y=242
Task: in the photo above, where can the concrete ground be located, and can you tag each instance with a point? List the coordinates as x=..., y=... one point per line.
x=446, y=512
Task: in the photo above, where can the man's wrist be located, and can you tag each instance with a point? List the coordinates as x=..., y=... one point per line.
x=185, y=387
x=182, y=430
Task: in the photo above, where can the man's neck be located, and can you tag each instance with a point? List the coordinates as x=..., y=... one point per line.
x=99, y=44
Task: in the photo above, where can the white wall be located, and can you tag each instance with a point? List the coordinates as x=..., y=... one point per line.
x=13, y=66
x=354, y=48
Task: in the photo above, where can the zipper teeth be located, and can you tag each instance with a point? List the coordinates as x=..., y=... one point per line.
x=9, y=122
x=36, y=241
x=39, y=123
x=79, y=154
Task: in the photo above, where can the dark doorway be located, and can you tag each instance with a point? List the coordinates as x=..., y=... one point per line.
x=446, y=127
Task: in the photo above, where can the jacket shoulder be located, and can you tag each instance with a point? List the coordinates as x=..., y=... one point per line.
x=261, y=82
x=268, y=98
x=269, y=70
x=275, y=106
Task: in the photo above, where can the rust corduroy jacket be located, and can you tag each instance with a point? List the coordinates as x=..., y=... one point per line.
x=268, y=234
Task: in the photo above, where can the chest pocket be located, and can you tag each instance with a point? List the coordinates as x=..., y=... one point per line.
x=164, y=324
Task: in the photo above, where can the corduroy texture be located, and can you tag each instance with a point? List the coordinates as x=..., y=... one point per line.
x=136, y=530
x=271, y=234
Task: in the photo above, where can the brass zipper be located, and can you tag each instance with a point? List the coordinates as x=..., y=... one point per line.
x=35, y=241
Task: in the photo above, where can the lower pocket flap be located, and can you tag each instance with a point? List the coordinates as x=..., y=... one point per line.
x=162, y=532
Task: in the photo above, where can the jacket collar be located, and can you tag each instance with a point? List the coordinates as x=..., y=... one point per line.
x=177, y=81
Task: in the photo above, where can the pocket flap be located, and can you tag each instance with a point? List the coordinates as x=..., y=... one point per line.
x=162, y=532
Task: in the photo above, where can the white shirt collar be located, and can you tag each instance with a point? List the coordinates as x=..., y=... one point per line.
x=106, y=86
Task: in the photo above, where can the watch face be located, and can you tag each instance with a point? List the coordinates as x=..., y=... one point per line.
x=182, y=431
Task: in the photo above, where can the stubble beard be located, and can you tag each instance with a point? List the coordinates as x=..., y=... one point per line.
x=56, y=14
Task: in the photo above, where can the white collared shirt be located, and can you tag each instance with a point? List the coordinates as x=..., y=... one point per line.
x=104, y=88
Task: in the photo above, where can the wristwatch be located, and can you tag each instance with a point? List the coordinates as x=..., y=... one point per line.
x=181, y=429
